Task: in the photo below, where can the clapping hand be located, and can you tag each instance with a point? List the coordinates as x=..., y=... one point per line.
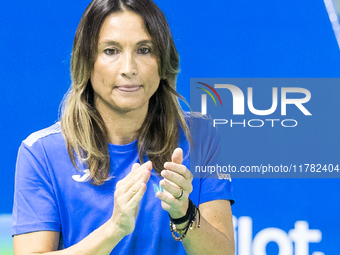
x=177, y=185
x=129, y=192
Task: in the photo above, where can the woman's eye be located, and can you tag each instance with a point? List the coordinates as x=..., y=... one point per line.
x=144, y=50
x=110, y=51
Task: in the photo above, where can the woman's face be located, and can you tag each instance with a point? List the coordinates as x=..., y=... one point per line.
x=125, y=73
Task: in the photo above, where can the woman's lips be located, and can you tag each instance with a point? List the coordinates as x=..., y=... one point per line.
x=129, y=88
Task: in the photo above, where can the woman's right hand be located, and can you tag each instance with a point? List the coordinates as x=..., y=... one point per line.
x=129, y=192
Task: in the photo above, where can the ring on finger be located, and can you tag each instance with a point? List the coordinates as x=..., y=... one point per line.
x=180, y=195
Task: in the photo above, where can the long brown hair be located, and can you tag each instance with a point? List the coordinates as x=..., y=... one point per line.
x=83, y=127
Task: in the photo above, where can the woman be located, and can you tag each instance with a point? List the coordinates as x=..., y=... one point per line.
x=120, y=127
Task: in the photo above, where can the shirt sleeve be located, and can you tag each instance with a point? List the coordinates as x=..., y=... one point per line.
x=216, y=189
x=35, y=207
x=207, y=161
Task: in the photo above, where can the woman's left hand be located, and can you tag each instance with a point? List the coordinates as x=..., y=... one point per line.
x=177, y=185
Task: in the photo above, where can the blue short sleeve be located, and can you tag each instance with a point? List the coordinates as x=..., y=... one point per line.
x=215, y=189
x=207, y=155
x=35, y=207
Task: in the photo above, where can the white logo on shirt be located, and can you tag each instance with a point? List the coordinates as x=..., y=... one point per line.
x=83, y=178
x=157, y=188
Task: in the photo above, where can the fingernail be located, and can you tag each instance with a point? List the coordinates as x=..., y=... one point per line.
x=146, y=165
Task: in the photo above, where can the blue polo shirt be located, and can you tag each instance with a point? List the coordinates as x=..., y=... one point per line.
x=50, y=194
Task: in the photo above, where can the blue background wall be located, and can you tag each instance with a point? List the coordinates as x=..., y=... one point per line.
x=259, y=38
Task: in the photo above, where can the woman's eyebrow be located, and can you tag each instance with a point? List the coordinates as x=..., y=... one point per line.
x=144, y=42
x=109, y=43
x=114, y=43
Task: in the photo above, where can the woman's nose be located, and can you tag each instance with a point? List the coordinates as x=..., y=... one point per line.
x=128, y=65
